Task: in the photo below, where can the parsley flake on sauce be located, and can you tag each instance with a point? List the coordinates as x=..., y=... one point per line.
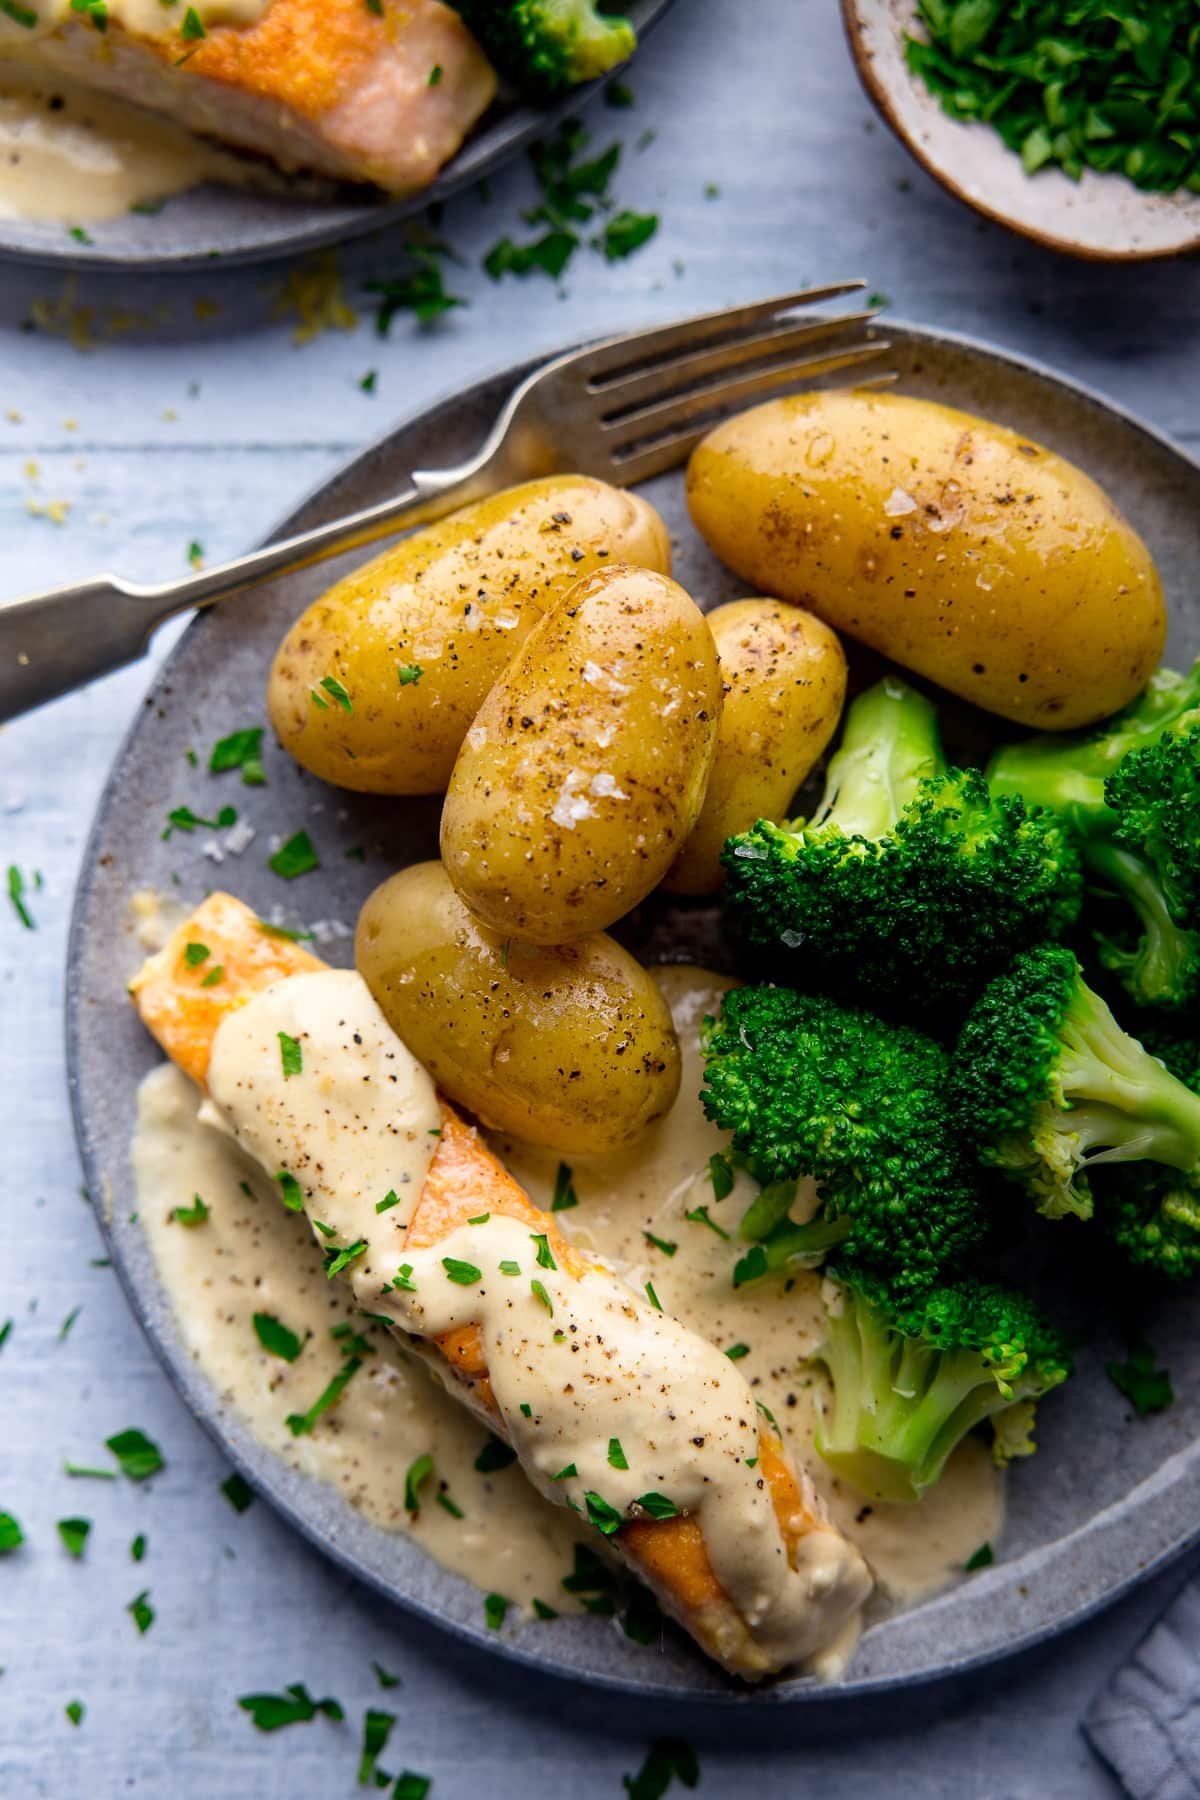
x=408, y=673
x=74, y=1534
x=480, y=1219
x=539, y=1293
x=564, y=1191
x=657, y=1506
x=337, y=1260
x=983, y=1558
x=720, y=1173
x=508, y=1267
x=462, y=1274
x=290, y=1191
x=736, y=1352
x=495, y=1609
x=276, y=1338
x=448, y=1505
x=417, y=1475
x=495, y=1455
x=138, y=1455
x=545, y=1256
x=652, y=1297
x=295, y=1706
x=390, y=1199
x=541, y=1610
x=604, y=1517
x=141, y=1611
x=291, y=1057
x=296, y=857
x=566, y=1474
x=663, y=1244
x=195, y=1214
x=301, y=1424
x=192, y=27
x=699, y=1216
x=616, y=1455
x=751, y=1267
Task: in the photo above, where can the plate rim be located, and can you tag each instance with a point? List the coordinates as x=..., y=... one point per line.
x=880, y=95
x=520, y=124
x=220, y=1421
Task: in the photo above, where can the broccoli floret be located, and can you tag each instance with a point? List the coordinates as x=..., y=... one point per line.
x=1153, y=1214
x=911, y=1377
x=546, y=46
x=1047, y=1085
x=910, y=880
x=1131, y=793
x=808, y=1087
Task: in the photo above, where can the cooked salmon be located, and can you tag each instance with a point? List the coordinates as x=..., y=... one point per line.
x=383, y=91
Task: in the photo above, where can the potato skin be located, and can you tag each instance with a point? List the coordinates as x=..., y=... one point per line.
x=572, y=1048
x=954, y=546
x=784, y=674
x=586, y=766
x=454, y=600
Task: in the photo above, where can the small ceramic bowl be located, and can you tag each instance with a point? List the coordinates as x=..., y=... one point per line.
x=1101, y=217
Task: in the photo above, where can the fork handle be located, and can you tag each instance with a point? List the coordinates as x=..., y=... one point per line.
x=64, y=637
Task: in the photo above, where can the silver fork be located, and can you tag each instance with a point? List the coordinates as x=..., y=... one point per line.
x=623, y=409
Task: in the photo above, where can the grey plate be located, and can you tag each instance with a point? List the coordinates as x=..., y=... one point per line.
x=244, y=227
x=1103, y=1503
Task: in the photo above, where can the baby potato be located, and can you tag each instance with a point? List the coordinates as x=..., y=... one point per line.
x=570, y=1047
x=956, y=547
x=785, y=681
x=586, y=766
x=374, y=686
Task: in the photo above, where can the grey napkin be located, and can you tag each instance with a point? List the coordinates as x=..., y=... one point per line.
x=1146, y=1722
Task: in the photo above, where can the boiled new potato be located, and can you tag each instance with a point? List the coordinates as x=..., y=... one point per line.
x=571, y=1047
x=785, y=680
x=376, y=683
x=585, y=768
x=954, y=546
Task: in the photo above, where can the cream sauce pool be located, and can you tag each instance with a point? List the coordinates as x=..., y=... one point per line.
x=250, y=1257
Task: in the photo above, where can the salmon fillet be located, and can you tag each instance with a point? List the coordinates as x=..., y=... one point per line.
x=329, y=86
x=465, y=1178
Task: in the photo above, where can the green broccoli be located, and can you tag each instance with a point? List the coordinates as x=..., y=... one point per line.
x=808, y=1087
x=911, y=1377
x=1152, y=1214
x=911, y=880
x=1046, y=1085
x=546, y=46
x=1130, y=790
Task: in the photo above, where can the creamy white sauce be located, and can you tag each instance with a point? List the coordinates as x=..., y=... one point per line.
x=913, y=1550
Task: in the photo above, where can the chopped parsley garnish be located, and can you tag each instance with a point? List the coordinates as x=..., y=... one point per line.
x=138, y=1455
x=291, y=1057
x=375, y=6
x=290, y=1191
x=767, y=1414
x=16, y=881
x=526, y=1410
x=67, y=1323
x=80, y=1470
x=20, y=15
x=495, y=1607
x=410, y=1786
x=663, y=1244
x=539, y=1293
x=699, y=1216
x=408, y=673
x=751, y=1267
x=390, y=1199
x=193, y=25
x=736, y=1352
x=626, y=232
x=276, y=1338
x=616, y=1455
x=720, y=1173
x=4, y=1331
x=74, y=1709
x=508, y=1267
x=11, y=1535
x=195, y=1214
x=652, y=1297
x=300, y=1424
x=566, y=1474
x=541, y=1610
x=564, y=1191
x=296, y=857
x=462, y=1274
x=367, y=381
x=448, y=1505
x=324, y=1229
x=480, y=1219
x=295, y=1706
x=240, y=750
x=435, y=75
x=384, y=1676
x=1147, y=1389
x=418, y=1474
x=667, y=1760
x=337, y=1260
x=657, y=1506
x=239, y=1493
x=74, y=1534
x=604, y=1517
x=403, y=1280
x=590, y=1575
x=495, y=1455
x=137, y=1548
x=195, y=954
x=282, y=931
x=422, y=292
x=333, y=687
x=545, y=1256
x=377, y=1728
x=141, y=1611
x=983, y=1558
x=642, y=1622
x=182, y=818
x=215, y=974
x=96, y=10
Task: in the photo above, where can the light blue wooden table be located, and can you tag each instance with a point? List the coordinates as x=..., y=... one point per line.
x=196, y=417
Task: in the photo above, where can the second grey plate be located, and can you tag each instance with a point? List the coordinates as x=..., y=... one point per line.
x=1105, y=1501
